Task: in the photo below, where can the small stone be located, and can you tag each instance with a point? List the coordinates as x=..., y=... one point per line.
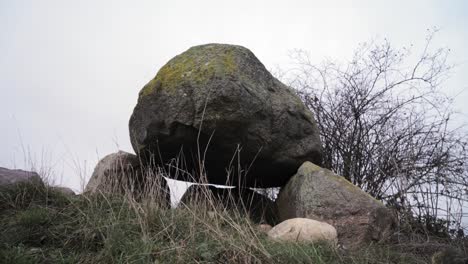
x=304, y=230
x=63, y=190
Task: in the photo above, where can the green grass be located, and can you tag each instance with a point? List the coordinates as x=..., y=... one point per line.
x=38, y=225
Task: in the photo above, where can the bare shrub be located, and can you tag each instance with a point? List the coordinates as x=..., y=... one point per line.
x=387, y=126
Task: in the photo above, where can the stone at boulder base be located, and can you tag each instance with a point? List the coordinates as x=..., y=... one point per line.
x=260, y=208
x=121, y=172
x=218, y=104
x=63, y=190
x=12, y=177
x=304, y=230
x=319, y=194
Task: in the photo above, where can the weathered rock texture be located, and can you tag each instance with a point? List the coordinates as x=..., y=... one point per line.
x=11, y=177
x=121, y=173
x=260, y=208
x=115, y=172
x=227, y=92
x=319, y=194
x=304, y=230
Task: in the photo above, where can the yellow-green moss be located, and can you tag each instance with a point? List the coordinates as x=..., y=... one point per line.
x=229, y=62
x=148, y=88
x=195, y=66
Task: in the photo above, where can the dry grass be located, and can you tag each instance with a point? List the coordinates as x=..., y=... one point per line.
x=40, y=225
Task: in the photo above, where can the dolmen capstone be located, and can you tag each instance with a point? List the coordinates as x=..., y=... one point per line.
x=216, y=111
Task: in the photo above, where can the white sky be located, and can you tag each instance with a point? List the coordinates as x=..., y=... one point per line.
x=70, y=71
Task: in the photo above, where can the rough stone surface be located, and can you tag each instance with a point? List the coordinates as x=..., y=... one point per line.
x=11, y=177
x=112, y=171
x=319, y=194
x=121, y=173
x=260, y=208
x=304, y=230
x=228, y=93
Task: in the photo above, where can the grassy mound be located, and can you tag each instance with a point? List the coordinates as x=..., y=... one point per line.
x=39, y=225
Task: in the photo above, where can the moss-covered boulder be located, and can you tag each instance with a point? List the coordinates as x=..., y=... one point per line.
x=217, y=105
x=319, y=194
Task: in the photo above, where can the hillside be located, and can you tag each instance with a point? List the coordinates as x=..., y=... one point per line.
x=42, y=225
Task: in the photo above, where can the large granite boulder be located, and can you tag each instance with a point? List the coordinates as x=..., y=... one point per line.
x=13, y=177
x=260, y=208
x=319, y=194
x=218, y=104
x=121, y=173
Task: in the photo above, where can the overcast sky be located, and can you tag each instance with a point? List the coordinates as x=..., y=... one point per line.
x=70, y=71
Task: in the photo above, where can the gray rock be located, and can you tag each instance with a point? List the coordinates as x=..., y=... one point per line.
x=114, y=172
x=12, y=177
x=260, y=208
x=304, y=230
x=121, y=173
x=63, y=190
x=319, y=194
x=228, y=93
